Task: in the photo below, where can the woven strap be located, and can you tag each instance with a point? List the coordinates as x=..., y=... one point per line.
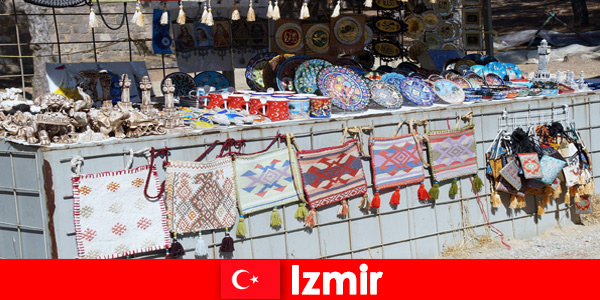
x=418, y=138
x=279, y=137
x=296, y=176
x=230, y=144
x=164, y=152
x=357, y=133
x=210, y=148
x=468, y=117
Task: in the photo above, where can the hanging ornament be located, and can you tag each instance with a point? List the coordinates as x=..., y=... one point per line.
x=181, y=15
x=270, y=10
x=209, y=17
x=251, y=17
x=235, y=15
x=241, y=227
x=138, y=17
x=227, y=243
x=201, y=247
x=275, y=218
x=164, y=18
x=369, y=3
x=204, y=15
x=176, y=250
x=276, y=16
x=336, y=10
x=304, y=12
x=94, y=22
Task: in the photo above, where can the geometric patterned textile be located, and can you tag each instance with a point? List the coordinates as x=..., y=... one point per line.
x=265, y=180
x=510, y=173
x=452, y=153
x=551, y=167
x=530, y=162
x=200, y=195
x=396, y=161
x=112, y=216
x=572, y=171
x=332, y=174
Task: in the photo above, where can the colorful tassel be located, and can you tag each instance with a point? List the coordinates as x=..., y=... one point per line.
x=275, y=218
x=376, y=202
x=541, y=210
x=422, y=193
x=514, y=203
x=209, y=17
x=304, y=12
x=343, y=209
x=477, y=183
x=434, y=191
x=201, y=247
x=557, y=192
x=567, y=198
x=453, y=188
x=181, y=15
x=94, y=22
x=176, y=250
x=204, y=14
x=495, y=200
x=251, y=17
x=336, y=10
x=395, y=200
x=301, y=212
x=521, y=202
x=270, y=10
x=227, y=243
x=310, y=218
x=276, y=16
x=547, y=193
x=240, y=231
x=369, y=3
x=164, y=18
x=364, y=203
x=138, y=16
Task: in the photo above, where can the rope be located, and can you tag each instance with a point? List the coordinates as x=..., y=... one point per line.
x=164, y=152
x=207, y=151
x=496, y=230
x=230, y=144
x=145, y=152
x=102, y=15
x=279, y=137
x=76, y=163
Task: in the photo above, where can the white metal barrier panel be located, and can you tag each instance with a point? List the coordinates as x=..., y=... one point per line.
x=36, y=201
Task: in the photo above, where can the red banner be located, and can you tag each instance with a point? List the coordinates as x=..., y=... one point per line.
x=293, y=279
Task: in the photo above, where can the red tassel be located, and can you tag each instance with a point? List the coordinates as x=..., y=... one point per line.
x=376, y=202
x=422, y=193
x=395, y=197
x=310, y=219
x=176, y=250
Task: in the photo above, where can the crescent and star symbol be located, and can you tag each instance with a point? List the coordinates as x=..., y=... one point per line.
x=235, y=283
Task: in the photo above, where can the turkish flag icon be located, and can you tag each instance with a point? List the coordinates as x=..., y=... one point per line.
x=250, y=279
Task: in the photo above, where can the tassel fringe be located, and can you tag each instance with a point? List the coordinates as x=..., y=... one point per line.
x=251, y=16
x=227, y=243
x=477, y=183
x=181, y=15
x=364, y=203
x=275, y=218
x=310, y=218
x=138, y=17
x=209, y=18
x=336, y=10
x=276, y=16
x=164, y=18
x=205, y=15
x=343, y=209
x=422, y=193
x=434, y=191
x=369, y=3
x=94, y=22
x=270, y=10
x=376, y=202
x=514, y=203
x=304, y=12
x=201, y=247
x=521, y=202
x=240, y=231
x=395, y=200
x=495, y=200
x=453, y=188
x=301, y=212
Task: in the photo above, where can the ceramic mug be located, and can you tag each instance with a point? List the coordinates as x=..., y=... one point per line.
x=298, y=108
x=320, y=107
x=213, y=101
x=277, y=109
x=236, y=102
x=255, y=106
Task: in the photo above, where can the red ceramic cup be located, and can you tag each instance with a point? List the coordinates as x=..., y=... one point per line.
x=212, y=101
x=236, y=102
x=278, y=110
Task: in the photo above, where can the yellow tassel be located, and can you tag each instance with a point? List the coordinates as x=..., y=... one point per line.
x=576, y=198
x=276, y=16
x=181, y=15
x=251, y=16
x=541, y=210
x=567, y=198
x=521, y=203
x=513, y=202
x=557, y=192
x=496, y=201
x=547, y=193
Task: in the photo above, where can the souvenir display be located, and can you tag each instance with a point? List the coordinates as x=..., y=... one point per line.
x=286, y=72
x=255, y=70
x=452, y=153
x=394, y=79
x=510, y=173
x=418, y=91
x=530, y=163
x=332, y=174
x=183, y=82
x=348, y=30
x=200, y=195
x=347, y=90
x=265, y=180
x=387, y=49
x=396, y=161
x=305, y=79
x=276, y=60
x=318, y=38
x=449, y=91
x=385, y=94
x=288, y=37
x=112, y=216
x=212, y=79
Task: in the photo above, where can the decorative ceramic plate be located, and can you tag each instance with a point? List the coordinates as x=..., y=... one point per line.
x=493, y=79
x=447, y=74
x=416, y=50
x=475, y=80
x=348, y=30
x=497, y=67
x=431, y=19
x=418, y=91
x=443, y=7
x=212, y=78
x=289, y=37
x=357, y=70
x=415, y=26
x=394, y=79
x=347, y=90
x=463, y=65
x=433, y=41
x=305, y=79
x=278, y=59
x=373, y=75
x=457, y=28
x=318, y=38
x=183, y=83
x=346, y=62
x=385, y=94
x=388, y=25
x=514, y=68
x=368, y=34
x=287, y=71
x=253, y=70
x=434, y=77
x=449, y=91
x=461, y=82
x=446, y=31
